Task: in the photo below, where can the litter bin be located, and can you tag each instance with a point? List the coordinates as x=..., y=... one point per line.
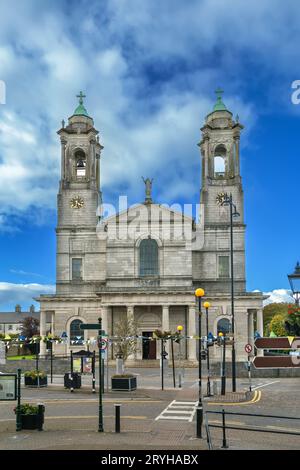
x=75, y=383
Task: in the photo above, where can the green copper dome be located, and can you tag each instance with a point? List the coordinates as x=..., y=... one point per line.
x=219, y=106
x=80, y=110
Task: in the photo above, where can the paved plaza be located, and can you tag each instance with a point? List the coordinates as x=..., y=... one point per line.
x=155, y=419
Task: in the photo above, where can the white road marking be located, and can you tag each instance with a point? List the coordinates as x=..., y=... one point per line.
x=176, y=409
x=265, y=385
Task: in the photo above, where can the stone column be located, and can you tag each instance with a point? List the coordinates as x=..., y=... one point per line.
x=130, y=317
x=260, y=328
x=166, y=326
x=52, y=323
x=104, y=316
x=250, y=328
x=42, y=332
x=192, y=356
x=63, y=163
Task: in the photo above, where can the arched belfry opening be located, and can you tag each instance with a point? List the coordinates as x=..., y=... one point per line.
x=220, y=161
x=80, y=163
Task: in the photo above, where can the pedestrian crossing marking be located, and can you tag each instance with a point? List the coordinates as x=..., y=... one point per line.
x=179, y=410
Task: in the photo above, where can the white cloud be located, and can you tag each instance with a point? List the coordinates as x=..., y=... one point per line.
x=279, y=296
x=12, y=294
x=149, y=80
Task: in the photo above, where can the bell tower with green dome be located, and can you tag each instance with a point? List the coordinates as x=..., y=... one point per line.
x=220, y=161
x=78, y=202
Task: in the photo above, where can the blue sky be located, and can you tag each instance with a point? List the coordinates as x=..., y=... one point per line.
x=149, y=70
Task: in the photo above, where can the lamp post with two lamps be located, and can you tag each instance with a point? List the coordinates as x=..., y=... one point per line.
x=223, y=199
x=199, y=293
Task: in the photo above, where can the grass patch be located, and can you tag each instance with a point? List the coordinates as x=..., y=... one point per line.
x=17, y=358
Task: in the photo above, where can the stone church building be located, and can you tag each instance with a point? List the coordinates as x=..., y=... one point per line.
x=146, y=261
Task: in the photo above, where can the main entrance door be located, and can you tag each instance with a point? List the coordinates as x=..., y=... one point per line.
x=149, y=347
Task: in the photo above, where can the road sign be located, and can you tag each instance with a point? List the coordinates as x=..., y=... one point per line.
x=287, y=342
x=275, y=362
x=8, y=387
x=91, y=326
x=103, y=344
x=248, y=348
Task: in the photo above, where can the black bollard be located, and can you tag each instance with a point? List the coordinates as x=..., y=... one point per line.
x=41, y=409
x=118, y=418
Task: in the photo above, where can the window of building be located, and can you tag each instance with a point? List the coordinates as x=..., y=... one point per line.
x=77, y=269
x=10, y=327
x=223, y=266
x=76, y=334
x=223, y=326
x=148, y=258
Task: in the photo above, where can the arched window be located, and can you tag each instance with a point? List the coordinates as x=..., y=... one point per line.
x=219, y=161
x=148, y=257
x=224, y=326
x=80, y=161
x=76, y=334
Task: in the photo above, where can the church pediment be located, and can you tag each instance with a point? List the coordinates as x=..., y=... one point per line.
x=149, y=212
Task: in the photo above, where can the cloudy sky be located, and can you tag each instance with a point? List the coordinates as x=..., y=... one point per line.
x=149, y=69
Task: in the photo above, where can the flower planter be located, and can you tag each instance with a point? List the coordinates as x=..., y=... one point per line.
x=123, y=383
x=36, y=382
x=32, y=421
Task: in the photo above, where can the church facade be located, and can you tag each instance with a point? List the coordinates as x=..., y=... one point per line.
x=145, y=262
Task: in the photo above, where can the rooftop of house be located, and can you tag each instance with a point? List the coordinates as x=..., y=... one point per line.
x=18, y=315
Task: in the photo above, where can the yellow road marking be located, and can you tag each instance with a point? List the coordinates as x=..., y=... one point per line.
x=255, y=399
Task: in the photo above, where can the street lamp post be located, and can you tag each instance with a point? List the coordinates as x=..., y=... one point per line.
x=226, y=200
x=206, y=305
x=179, y=329
x=294, y=280
x=199, y=293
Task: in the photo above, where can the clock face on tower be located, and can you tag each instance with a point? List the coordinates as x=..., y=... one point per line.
x=220, y=199
x=76, y=202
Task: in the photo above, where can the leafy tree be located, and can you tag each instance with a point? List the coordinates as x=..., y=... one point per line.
x=126, y=337
x=30, y=327
x=292, y=324
x=277, y=325
x=270, y=311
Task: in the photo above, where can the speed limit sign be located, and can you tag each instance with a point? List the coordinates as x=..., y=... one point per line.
x=248, y=348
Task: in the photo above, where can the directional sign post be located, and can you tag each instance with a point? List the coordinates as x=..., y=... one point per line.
x=277, y=362
x=287, y=342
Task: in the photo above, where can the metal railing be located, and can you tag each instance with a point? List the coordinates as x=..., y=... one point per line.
x=225, y=426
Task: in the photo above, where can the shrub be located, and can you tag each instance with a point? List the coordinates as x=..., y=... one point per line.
x=27, y=409
x=34, y=374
